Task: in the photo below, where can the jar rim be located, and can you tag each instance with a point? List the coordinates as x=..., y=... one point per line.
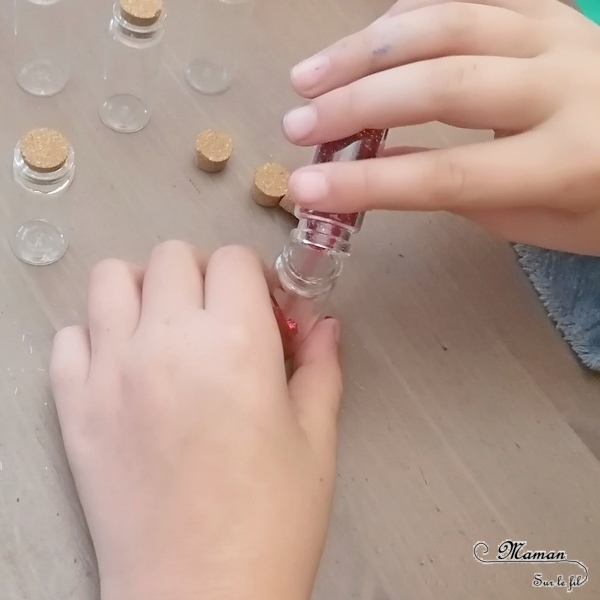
x=137, y=30
x=31, y=175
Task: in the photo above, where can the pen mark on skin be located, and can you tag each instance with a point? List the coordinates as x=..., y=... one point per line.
x=381, y=50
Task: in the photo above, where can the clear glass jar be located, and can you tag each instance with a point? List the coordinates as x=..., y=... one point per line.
x=40, y=207
x=42, y=54
x=133, y=59
x=218, y=41
x=305, y=276
x=310, y=264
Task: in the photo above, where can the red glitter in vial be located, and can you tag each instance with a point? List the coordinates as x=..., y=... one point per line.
x=288, y=329
x=366, y=145
x=291, y=327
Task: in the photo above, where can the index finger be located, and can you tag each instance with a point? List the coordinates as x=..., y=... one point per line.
x=236, y=286
x=510, y=172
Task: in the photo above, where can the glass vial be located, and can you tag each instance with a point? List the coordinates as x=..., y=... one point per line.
x=42, y=45
x=311, y=262
x=43, y=170
x=217, y=44
x=134, y=54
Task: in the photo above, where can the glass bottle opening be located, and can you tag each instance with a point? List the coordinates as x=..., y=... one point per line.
x=308, y=271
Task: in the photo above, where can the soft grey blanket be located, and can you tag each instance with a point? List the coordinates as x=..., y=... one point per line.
x=569, y=287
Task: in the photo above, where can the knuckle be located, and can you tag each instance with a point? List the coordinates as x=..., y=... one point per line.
x=366, y=184
x=169, y=247
x=451, y=80
x=448, y=182
x=144, y=364
x=581, y=183
x=237, y=346
x=458, y=21
x=135, y=364
x=356, y=101
x=239, y=341
x=106, y=270
x=235, y=254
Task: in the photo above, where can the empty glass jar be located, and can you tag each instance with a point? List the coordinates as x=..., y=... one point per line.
x=43, y=170
x=134, y=54
x=42, y=56
x=218, y=42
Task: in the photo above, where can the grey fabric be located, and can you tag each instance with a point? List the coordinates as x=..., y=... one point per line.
x=569, y=287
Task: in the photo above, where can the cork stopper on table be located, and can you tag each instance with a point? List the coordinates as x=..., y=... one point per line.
x=44, y=150
x=213, y=150
x=288, y=204
x=141, y=12
x=270, y=184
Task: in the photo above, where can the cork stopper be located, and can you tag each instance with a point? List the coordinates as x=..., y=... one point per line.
x=270, y=184
x=288, y=204
x=213, y=150
x=141, y=12
x=44, y=150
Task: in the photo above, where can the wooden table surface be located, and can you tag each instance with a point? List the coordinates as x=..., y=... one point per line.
x=465, y=418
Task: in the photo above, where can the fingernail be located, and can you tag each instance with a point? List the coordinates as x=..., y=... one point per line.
x=308, y=186
x=298, y=123
x=310, y=72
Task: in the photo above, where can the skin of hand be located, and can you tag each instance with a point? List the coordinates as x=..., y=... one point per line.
x=527, y=69
x=202, y=471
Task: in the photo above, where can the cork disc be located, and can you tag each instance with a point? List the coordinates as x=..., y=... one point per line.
x=213, y=150
x=141, y=12
x=270, y=184
x=44, y=150
x=288, y=204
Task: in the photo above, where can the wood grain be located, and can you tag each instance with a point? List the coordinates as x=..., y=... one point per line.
x=465, y=417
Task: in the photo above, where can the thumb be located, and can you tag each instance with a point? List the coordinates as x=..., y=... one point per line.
x=316, y=385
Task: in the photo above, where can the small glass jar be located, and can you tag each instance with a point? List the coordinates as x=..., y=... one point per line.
x=311, y=262
x=43, y=47
x=43, y=170
x=134, y=55
x=217, y=44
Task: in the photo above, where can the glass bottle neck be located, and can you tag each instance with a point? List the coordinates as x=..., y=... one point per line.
x=139, y=33
x=52, y=182
x=312, y=260
x=324, y=232
x=307, y=270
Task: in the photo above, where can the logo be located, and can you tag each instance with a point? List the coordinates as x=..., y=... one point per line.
x=510, y=552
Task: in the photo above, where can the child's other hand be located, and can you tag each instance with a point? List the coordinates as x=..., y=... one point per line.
x=527, y=69
x=201, y=471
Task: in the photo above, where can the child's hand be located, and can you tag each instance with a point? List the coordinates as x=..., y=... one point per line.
x=201, y=471
x=527, y=69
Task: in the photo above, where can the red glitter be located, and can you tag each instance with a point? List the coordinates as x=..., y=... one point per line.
x=288, y=329
x=361, y=146
x=291, y=327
